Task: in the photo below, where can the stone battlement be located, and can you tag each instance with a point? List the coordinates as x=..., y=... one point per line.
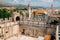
x=6, y=20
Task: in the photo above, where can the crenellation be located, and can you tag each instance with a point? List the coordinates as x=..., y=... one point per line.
x=6, y=20
x=10, y=18
x=1, y=19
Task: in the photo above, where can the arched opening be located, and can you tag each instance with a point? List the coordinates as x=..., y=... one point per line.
x=55, y=22
x=17, y=19
x=23, y=31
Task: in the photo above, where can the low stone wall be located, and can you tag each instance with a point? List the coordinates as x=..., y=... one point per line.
x=35, y=31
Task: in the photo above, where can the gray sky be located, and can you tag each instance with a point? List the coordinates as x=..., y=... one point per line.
x=44, y=3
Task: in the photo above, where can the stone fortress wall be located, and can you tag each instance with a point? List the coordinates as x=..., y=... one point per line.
x=35, y=31
x=8, y=28
x=11, y=26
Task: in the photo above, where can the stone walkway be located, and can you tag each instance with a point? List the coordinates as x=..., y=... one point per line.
x=22, y=37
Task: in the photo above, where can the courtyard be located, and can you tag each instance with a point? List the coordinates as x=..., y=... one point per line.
x=20, y=37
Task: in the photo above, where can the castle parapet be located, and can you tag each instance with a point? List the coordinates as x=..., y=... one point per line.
x=10, y=19
x=6, y=20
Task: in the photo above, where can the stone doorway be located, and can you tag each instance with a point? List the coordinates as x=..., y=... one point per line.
x=23, y=31
x=17, y=19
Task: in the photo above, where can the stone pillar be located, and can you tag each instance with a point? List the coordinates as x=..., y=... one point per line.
x=57, y=32
x=34, y=33
x=18, y=31
x=29, y=11
x=31, y=32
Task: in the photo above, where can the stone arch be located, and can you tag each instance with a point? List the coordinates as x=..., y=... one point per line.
x=17, y=18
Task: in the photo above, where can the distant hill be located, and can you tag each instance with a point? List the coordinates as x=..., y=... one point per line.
x=25, y=6
x=6, y=4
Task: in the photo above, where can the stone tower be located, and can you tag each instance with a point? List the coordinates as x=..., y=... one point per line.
x=52, y=8
x=16, y=16
x=29, y=11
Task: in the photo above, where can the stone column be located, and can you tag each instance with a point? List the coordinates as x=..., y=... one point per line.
x=57, y=32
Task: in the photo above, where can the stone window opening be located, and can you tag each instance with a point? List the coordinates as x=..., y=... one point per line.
x=23, y=31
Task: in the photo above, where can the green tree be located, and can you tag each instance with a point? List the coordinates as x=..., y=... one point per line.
x=21, y=13
x=5, y=14
x=1, y=15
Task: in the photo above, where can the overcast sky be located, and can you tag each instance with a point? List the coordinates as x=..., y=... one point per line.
x=44, y=3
